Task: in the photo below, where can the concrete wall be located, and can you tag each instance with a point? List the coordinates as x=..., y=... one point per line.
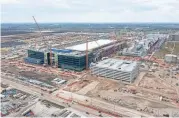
x=115, y=74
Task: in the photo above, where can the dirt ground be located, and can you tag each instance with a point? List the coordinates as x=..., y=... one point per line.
x=155, y=83
x=10, y=69
x=77, y=85
x=29, y=74
x=119, y=93
x=39, y=76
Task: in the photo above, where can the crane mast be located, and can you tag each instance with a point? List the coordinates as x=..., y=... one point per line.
x=49, y=47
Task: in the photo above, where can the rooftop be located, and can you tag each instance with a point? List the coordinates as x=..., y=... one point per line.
x=72, y=53
x=171, y=55
x=91, y=45
x=116, y=64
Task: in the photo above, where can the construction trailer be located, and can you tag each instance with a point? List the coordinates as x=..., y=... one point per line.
x=74, y=57
x=116, y=69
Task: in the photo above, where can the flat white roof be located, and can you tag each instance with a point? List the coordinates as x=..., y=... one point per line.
x=116, y=64
x=171, y=55
x=91, y=45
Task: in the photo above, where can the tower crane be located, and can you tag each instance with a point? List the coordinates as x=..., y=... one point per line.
x=48, y=45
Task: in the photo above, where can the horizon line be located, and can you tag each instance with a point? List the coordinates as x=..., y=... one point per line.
x=95, y=22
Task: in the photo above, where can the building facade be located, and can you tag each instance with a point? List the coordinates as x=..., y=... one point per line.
x=121, y=70
x=74, y=57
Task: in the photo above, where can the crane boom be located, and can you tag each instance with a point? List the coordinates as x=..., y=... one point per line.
x=38, y=27
x=43, y=38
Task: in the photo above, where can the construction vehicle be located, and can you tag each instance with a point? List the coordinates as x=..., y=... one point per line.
x=162, y=98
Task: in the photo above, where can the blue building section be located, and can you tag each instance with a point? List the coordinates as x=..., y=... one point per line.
x=35, y=54
x=33, y=60
x=65, y=59
x=61, y=50
x=34, y=57
x=77, y=63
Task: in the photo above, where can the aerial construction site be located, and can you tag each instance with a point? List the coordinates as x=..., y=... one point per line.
x=114, y=72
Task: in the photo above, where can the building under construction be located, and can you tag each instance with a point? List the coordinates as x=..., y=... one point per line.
x=74, y=57
x=147, y=45
x=116, y=69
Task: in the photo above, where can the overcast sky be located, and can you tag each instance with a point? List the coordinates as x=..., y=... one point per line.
x=90, y=10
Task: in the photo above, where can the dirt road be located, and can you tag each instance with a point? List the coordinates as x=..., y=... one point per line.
x=76, y=97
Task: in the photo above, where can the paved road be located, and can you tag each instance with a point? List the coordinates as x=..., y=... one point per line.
x=101, y=104
x=51, y=98
x=78, y=98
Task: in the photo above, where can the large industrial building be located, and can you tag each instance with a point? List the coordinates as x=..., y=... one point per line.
x=116, y=69
x=74, y=57
x=175, y=37
x=142, y=47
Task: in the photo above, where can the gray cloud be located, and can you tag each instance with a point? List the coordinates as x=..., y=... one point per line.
x=91, y=10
